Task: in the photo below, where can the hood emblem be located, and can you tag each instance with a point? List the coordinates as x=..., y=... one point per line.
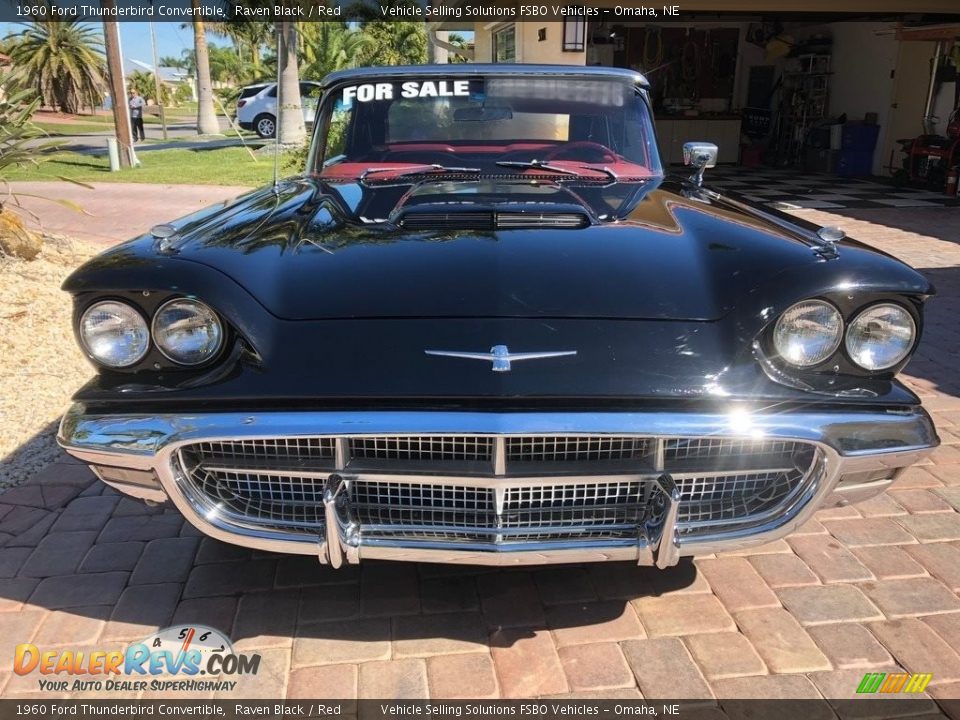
x=500, y=356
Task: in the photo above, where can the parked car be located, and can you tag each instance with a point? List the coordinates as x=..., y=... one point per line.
x=257, y=106
x=486, y=327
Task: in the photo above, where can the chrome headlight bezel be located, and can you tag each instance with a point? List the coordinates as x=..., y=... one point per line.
x=901, y=357
x=832, y=339
x=138, y=323
x=202, y=309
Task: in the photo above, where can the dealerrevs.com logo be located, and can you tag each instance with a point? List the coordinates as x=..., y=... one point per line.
x=181, y=658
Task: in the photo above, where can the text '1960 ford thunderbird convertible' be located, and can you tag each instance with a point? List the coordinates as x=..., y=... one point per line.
x=485, y=327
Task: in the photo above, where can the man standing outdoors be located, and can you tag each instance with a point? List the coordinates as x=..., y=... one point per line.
x=136, y=105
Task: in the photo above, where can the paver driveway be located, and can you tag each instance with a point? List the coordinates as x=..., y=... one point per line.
x=866, y=589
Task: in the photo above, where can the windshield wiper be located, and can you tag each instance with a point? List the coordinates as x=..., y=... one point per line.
x=535, y=164
x=419, y=170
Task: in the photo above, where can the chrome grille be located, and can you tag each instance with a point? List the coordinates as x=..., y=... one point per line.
x=497, y=489
x=426, y=447
x=573, y=448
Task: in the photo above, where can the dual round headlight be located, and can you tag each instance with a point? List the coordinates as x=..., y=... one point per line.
x=878, y=338
x=185, y=331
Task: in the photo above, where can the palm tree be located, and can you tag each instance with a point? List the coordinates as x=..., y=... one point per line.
x=395, y=43
x=330, y=46
x=63, y=60
x=206, y=115
x=290, y=129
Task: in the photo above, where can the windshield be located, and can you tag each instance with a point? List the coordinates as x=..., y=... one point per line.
x=565, y=128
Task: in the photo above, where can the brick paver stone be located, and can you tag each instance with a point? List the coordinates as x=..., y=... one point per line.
x=828, y=603
x=394, y=679
x=565, y=585
x=783, y=570
x=230, y=578
x=216, y=612
x=912, y=596
x=446, y=634
x=947, y=626
x=738, y=585
x=79, y=626
x=152, y=527
x=664, y=669
x=920, y=501
x=917, y=648
x=510, y=599
x=881, y=505
x=778, y=638
x=850, y=645
x=86, y=513
x=109, y=557
x=15, y=591
x=682, y=615
x=527, y=663
x=598, y=666
x=890, y=562
x=266, y=620
x=771, y=687
x=329, y=602
x=389, y=589
x=455, y=593
x=335, y=643
x=141, y=610
x=269, y=683
x=942, y=560
x=829, y=559
x=327, y=682
x=462, y=677
x=16, y=628
x=11, y=559
x=869, y=531
x=932, y=527
x=724, y=655
x=66, y=591
x=602, y=621
x=165, y=560
x=59, y=553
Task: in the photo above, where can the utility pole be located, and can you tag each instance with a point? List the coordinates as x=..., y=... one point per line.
x=156, y=78
x=121, y=123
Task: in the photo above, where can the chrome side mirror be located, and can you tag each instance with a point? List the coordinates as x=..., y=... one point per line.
x=699, y=156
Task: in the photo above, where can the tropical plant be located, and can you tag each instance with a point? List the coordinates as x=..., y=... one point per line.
x=394, y=43
x=63, y=60
x=145, y=84
x=206, y=114
x=329, y=46
x=175, y=62
x=226, y=66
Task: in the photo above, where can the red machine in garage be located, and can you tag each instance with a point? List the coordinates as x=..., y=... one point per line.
x=931, y=158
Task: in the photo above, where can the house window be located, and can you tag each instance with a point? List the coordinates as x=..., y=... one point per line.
x=505, y=45
x=574, y=33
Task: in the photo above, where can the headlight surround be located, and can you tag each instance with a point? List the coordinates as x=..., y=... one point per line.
x=808, y=333
x=187, y=332
x=881, y=336
x=114, y=334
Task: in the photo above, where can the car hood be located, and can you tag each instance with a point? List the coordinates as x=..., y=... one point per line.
x=647, y=250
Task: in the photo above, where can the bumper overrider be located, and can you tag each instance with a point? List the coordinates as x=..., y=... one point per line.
x=511, y=488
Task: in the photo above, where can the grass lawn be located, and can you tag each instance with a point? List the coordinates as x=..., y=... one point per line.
x=56, y=129
x=219, y=166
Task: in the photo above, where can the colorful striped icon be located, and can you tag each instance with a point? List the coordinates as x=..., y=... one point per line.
x=894, y=683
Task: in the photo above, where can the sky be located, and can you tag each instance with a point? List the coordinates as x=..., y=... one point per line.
x=172, y=40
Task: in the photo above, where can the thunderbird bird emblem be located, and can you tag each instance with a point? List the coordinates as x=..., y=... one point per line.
x=500, y=356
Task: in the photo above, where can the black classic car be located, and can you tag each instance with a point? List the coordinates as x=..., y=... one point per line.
x=485, y=326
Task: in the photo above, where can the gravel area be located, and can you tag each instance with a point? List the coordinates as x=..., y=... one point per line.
x=40, y=364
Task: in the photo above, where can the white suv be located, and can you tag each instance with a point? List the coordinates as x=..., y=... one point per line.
x=257, y=107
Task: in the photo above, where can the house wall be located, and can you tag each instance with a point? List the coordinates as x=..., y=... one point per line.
x=529, y=48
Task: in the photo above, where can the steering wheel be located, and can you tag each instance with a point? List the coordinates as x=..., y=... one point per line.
x=584, y=150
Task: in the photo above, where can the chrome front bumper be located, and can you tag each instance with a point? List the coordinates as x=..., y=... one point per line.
x=858, y=455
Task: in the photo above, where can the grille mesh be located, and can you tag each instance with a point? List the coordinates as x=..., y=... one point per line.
x=279, y=483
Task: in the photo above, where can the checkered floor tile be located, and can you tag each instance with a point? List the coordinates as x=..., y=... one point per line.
x=790, y=189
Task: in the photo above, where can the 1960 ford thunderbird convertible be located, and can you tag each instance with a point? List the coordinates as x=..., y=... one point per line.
x=486, y=327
